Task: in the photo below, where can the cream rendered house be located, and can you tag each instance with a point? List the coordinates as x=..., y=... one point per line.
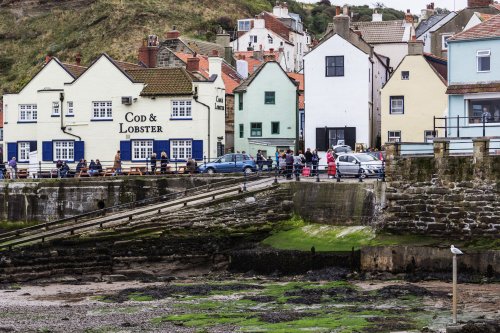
x=69, y=112
x=413, y=96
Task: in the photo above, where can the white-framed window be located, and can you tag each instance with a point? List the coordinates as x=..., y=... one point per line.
x=181, y=109
x=56, y=111
x=141, y=149
x=102, y=110
x=429, y=135
x=394, y=136
x=244, y=25
x=483, y=61
x=397, y=105
x=444, y=41
x=181, y=149
x=28, y=112
x=71, y=110
x=253, y=38
x=23, y=151
x=64, y=150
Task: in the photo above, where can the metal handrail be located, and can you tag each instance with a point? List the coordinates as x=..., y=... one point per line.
x=129, y=205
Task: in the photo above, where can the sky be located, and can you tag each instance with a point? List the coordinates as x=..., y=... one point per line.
x=415, y=5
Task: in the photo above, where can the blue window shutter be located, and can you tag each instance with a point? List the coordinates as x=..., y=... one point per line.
x=47, y=151
x=161, y=145
x=33, y=146
x=79, y=150
x=11, y=150
x=125, y=150
x=197, y=149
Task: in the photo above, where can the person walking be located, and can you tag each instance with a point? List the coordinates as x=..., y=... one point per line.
x=117, y=164
x=13, y=168
x=332, y=168
x=163, y=162
x=260, y=160
x=153, y=163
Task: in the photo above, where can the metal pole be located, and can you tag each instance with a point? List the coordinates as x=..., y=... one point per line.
x=337, y=173
x=317, y=172
x=445, y=127
x=276, y=176
x=244, y=181
x=454, y=289
x=484, y=125
x=359, y=173
x=458, y=126
x=383, y=170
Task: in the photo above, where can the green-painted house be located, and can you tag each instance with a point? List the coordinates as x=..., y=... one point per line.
x=265, y=111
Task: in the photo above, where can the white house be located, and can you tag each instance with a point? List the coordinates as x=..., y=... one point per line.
x=279, y=30
x=69, y=112
x=343, y=79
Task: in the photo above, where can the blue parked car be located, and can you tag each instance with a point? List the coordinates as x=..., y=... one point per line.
x=230, y=163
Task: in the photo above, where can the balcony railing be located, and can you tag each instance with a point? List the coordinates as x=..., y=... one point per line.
x=467, y=126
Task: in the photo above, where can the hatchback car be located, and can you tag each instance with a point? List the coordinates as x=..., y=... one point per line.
x=337, y=150
x=230, y=163
x=359, y=164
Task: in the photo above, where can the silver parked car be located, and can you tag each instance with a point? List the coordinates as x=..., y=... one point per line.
x=352, y=164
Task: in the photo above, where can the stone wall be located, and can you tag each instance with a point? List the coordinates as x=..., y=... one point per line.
x=427, y=260
x=443, y=195
x=50, y=199
x=344, y=203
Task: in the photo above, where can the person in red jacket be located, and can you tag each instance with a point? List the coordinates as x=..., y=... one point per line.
x=332, y=168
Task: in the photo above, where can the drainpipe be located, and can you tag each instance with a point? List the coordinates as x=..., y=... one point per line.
x=63, y=128
x=373, y=104
x=195, y=97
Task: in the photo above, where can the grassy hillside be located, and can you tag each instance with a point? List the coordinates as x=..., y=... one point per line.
x=32, y=29
x=28, y=32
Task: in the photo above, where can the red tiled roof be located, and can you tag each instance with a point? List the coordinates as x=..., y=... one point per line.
x=299, y=78
x=460, y=89
x=229, y=74
x=488, y=29
x=275, y=25
x=75, y=70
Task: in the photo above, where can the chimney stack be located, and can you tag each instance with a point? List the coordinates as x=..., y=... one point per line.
x=47, y=59
x=193, y=64
x=376, y=16
x=415, y=47
x=148, y=52
x=78, y=59
x=215, y=64
x=173, y=34
x=341, y=25
x=478, y=3
x=409, y=17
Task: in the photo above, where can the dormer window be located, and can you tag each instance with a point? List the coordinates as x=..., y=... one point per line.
x=405, y=75
x=244, y=25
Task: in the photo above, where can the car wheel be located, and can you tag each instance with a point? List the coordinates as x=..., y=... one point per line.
x=247, y=170
x=210, y=171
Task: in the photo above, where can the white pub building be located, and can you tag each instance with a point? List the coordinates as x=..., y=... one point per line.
x=69, y=112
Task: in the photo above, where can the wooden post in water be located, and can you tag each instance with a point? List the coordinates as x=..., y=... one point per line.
x=454, y=288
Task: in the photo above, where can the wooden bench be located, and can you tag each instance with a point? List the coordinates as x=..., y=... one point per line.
x=108, y=172
x=136, y=171
x=84, y=172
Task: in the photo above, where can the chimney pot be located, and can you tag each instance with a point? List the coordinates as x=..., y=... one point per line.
x=338, y=11
x=47, y=59
x=78, y=59
x=215, y=53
